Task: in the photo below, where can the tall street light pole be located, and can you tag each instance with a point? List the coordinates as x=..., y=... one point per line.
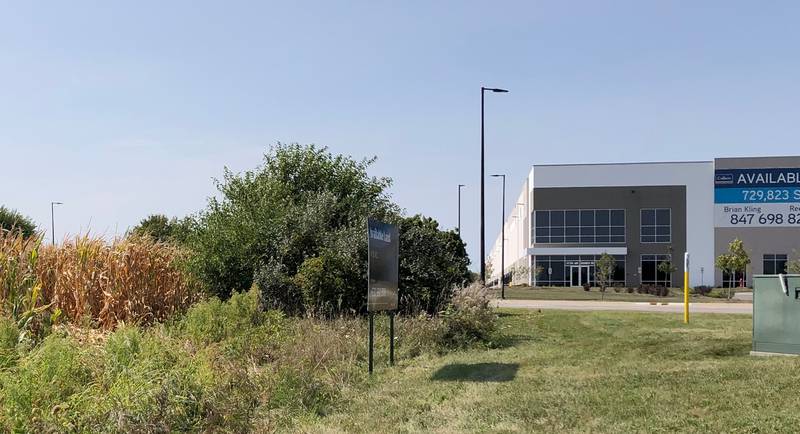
x=502, y=239
x=483, y=207
x=459, y=208
x=53, y=219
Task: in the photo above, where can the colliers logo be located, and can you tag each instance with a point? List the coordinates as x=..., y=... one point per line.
x=723, y=179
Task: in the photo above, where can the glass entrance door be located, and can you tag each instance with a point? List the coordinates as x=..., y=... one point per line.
x=579, y=275
x=575, y=275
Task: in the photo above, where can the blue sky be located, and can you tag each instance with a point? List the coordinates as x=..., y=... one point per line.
x=123, y=109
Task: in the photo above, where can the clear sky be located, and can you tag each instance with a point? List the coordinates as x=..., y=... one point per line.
x=126, y=109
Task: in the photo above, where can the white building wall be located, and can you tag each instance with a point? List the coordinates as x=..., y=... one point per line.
x=517, y=224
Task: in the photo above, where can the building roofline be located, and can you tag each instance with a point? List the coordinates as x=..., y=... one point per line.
x=623, y=163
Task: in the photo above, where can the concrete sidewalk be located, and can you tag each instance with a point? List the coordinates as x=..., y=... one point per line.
x=626, y=306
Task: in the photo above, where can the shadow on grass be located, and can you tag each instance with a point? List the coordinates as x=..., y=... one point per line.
x=478, y=372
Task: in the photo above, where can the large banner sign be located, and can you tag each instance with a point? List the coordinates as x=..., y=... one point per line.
x=757, y=198
x=383, y=243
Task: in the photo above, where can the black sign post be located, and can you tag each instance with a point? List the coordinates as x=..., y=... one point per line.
x=383, y=244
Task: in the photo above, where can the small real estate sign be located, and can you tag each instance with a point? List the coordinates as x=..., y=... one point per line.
x=383, y=244
x=757, y=197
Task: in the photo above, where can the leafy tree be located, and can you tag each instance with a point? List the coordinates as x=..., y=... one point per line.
x=13, y=220
x=163, y=229
x=521, y=270
x=303, y=202
x=604, y=270
x=296, y=227
x=432, y=263
x=735, y=261
x=793, y=266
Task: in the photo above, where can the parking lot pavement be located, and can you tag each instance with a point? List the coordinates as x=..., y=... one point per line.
x=744, y=308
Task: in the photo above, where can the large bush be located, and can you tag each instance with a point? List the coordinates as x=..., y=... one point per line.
x=432, y=263
x=12, y=220
x=303, y=202
x=295, y=227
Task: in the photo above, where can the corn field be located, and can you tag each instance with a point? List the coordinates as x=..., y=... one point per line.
x=88, y=280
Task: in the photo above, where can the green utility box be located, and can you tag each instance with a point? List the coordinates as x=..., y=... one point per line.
x=776, y=314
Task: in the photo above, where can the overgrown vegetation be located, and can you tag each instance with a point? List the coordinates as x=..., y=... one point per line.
x=110, y=337
x=223, y=366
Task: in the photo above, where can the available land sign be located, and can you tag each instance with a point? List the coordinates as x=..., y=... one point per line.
x=383, y=242
x=757, y=197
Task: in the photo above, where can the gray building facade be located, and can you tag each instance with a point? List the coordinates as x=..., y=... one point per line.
x=645, y=214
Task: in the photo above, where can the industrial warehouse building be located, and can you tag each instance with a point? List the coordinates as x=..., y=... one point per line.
x=566, y=216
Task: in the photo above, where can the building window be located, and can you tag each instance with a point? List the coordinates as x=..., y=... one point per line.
x=650, y=273
x=735, y=280
x=775, y=263
x=584, y=226
x=656, y=225
x=573, y=270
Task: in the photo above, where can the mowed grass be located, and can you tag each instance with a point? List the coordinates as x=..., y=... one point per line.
x=566, y=293
x=585, y=372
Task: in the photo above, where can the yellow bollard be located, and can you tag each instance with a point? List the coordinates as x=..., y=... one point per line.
x=686, y=288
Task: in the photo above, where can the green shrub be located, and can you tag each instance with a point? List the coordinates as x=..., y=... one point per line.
x=701, y=289
x=721, y=292
x=122, y=349
x=9, y=337
x=212, y=320
x=53, y=372
x=149, y=383
x=432, y=263
x=469, y=319
x=298, y=202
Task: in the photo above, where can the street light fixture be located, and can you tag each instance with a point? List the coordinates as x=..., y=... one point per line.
x=459, y=208
x=483, y=207
x=502, y=239
x=53, y=219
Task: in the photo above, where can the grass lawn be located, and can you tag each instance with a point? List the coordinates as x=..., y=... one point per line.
x=535, y=293
x=585, y=372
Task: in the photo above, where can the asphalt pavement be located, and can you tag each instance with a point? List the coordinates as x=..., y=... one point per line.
x=626, y=306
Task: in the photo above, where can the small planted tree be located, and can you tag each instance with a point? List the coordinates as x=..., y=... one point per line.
x=604, y=271
x=521, y=270
x=735, y=261
x=667, y=268
x=793, y=266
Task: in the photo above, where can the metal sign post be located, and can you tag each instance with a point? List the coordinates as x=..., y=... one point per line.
x=686, y=288
x=383, y=245
x=371, y=328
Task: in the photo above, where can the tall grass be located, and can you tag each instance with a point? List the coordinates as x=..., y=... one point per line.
x=131, y=280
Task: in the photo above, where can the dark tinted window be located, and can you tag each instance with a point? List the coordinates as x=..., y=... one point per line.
x=542, y=218
x=617, y=217
x=571, y=218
